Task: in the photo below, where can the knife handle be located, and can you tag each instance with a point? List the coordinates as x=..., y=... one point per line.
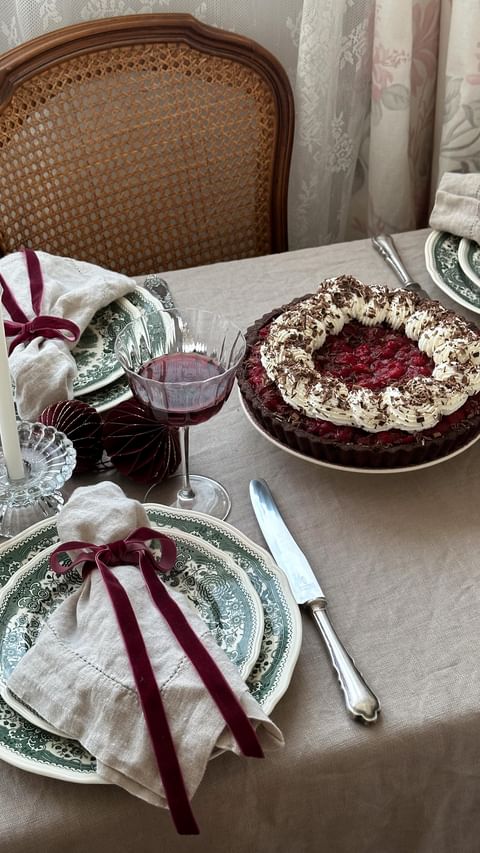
x=361, y=703
x=385, y=246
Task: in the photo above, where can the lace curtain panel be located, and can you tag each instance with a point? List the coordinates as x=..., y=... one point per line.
x=387, y=96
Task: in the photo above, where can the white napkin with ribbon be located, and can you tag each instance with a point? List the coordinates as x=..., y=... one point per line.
x=44, y=370
x=77, y=675
x=457, y=205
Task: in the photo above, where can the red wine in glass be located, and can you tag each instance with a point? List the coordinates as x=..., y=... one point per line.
x=182, y=397
x=182, y=367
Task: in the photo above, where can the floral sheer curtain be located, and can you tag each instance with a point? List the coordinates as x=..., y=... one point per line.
x=387, y=96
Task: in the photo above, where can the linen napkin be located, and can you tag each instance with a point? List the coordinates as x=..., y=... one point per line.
x=77, y=676
x=457, y=205
x=71, y=291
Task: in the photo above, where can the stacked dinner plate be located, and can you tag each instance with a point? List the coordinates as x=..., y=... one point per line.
x=454, y=265
x=100, y=380
x=237, y=588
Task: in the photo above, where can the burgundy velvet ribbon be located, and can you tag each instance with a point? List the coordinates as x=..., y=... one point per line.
x=42, y=325
x=134, y=551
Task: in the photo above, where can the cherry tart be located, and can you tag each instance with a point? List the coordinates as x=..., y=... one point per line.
x=363, y=376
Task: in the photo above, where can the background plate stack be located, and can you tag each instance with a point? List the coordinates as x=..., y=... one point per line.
x=454, y=265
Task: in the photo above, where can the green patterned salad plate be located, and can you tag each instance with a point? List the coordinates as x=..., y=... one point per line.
x=217, y=547
x=116, y=392
x=97, y=366
x=469, y=259
x=442, y=260
x=93, y=354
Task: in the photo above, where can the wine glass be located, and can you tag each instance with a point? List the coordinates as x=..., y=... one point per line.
x=182, y=366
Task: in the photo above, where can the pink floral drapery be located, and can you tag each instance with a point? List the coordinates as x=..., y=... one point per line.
x=400, y=129
x=404, y=109
x=387, y=96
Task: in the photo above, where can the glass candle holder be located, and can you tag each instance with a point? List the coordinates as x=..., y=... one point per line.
x=49, y=460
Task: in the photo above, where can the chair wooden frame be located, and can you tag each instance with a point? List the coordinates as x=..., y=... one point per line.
x=32, y=58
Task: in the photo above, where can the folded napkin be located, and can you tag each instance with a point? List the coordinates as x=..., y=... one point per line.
x=48, y=302
x=77, y=676
x=457, y=205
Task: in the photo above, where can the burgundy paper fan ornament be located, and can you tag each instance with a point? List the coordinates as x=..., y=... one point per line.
x=139, y=446
x=82, y=424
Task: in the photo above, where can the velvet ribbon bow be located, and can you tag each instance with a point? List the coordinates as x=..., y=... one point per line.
x=42, y=325
x=134, y=551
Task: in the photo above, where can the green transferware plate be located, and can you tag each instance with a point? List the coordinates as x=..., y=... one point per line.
x=116, y=392
x=469, y=259
x=209, y=578
x=28, y=746
x=97, y=365
x=94, y=353
x=442, y=260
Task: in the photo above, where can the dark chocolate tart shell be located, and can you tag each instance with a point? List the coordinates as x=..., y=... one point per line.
x=423, y=449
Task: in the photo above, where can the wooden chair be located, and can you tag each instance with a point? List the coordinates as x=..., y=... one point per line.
x=144, y=143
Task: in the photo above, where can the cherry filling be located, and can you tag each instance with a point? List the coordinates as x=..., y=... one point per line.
x=369, y=356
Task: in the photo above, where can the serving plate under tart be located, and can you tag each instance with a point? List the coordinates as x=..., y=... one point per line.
x=351, y=468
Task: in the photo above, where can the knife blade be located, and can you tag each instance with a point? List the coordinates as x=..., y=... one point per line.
x=361, y=702
x=385, y=246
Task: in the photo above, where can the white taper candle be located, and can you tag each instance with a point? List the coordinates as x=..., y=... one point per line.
x=8, y=422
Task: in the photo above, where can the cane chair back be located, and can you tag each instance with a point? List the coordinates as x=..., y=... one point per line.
x=144, y=143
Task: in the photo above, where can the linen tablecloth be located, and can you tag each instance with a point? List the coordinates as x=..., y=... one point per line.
x=398, y=558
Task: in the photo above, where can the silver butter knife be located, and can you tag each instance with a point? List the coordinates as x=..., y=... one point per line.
x=385, y=246
x=361, y=702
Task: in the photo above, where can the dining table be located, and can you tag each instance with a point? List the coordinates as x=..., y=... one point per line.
x=397, y=555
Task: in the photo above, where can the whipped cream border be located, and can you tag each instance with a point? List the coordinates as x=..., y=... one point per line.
x=413, y=405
